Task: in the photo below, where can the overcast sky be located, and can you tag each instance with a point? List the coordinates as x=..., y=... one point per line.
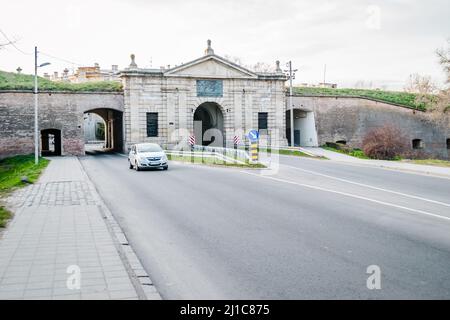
x=382, y=42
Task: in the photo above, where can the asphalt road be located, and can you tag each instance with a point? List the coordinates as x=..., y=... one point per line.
x=310, y=231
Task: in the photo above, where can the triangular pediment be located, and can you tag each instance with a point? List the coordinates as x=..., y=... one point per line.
x=210, y=66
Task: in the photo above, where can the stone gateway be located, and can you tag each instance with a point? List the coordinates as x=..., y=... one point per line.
x=210, y=98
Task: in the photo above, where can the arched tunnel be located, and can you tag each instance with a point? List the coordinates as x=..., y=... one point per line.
x=113, y=128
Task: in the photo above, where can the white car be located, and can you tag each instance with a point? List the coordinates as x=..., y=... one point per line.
x=147, y=155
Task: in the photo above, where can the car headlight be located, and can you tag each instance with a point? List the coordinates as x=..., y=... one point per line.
x=143, y=158
x=164, y=158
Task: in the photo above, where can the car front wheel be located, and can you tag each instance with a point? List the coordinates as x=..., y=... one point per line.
x=130, y=166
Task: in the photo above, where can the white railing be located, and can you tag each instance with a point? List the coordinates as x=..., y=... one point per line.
x=292, y=149
x=226, y=152
x=205, y=154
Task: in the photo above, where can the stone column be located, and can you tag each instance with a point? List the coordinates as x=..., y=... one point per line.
x=248, y=111
x=238, y=110
x=171, y=100
x=135, y=84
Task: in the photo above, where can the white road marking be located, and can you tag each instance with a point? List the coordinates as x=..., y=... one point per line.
x=352, y=196
x=369, y=186
x=380, y=167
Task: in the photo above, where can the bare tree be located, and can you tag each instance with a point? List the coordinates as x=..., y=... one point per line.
x=258, y=67
x=234, y=59
x=444, y=59
x=442, y=104
x=424, y=89
x=262, y=67
x=420, y=84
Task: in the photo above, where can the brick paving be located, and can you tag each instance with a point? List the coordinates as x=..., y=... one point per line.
x=58, y=224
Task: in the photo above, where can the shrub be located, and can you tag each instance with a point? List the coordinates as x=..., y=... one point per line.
x=358, y=153
x=385, y=143
x=337, y=146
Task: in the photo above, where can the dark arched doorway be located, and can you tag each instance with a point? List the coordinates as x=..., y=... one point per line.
x=51, y=142
x=208, y=125
x=107, y=130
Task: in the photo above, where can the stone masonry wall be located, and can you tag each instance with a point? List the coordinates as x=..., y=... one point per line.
x=63, y=111
x=349, y=119
x=175, y=99
x=337, y=118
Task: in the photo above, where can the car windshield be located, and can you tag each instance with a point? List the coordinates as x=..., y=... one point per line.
x=149, y=148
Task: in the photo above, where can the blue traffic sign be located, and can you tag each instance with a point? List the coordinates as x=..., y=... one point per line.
x=253, y=135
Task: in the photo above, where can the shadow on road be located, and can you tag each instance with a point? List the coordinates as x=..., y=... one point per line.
x=93, y=152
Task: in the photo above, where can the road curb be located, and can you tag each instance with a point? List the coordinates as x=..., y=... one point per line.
x=366, y=164
x=140, y=279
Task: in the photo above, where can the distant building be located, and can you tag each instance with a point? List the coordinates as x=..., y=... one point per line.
x=319, y=85
x=86, y=74
x=94, y=128
x=328, y=85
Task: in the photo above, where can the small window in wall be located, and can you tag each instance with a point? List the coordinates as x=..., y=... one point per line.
x=448, y=144
x=417, y=144
x=341, y=142
x=152, y=124
x=262, y=120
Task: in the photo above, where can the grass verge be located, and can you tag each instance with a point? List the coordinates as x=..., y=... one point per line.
x=357, y=153
x=213, y=161
x=431, y=162
x=287, y=152
x=5, y=215
x=11, y=172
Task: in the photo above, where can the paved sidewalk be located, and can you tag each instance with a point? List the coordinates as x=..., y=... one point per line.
x=59, y=223
x=396, y=165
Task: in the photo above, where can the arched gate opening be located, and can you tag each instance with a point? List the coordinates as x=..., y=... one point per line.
x=51, y=142
x=103, y=130
x=208, y=125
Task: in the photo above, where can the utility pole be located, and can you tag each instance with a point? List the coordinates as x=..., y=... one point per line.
x=36, y=122
x=291, y=76
x=324, y=74
x=36, y=118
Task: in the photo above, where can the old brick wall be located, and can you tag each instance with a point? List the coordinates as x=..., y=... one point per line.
x=62, y=111
x=349, y=119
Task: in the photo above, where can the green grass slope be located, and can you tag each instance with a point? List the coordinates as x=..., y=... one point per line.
x=397, y=97
x=14, y=81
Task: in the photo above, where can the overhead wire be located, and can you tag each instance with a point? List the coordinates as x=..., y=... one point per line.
x=13, y=44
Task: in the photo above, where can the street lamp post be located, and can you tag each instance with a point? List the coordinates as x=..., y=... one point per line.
x=36, y=118
x=291, y=76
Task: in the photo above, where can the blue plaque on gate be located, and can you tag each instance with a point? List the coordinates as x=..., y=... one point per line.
x=209, y=88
